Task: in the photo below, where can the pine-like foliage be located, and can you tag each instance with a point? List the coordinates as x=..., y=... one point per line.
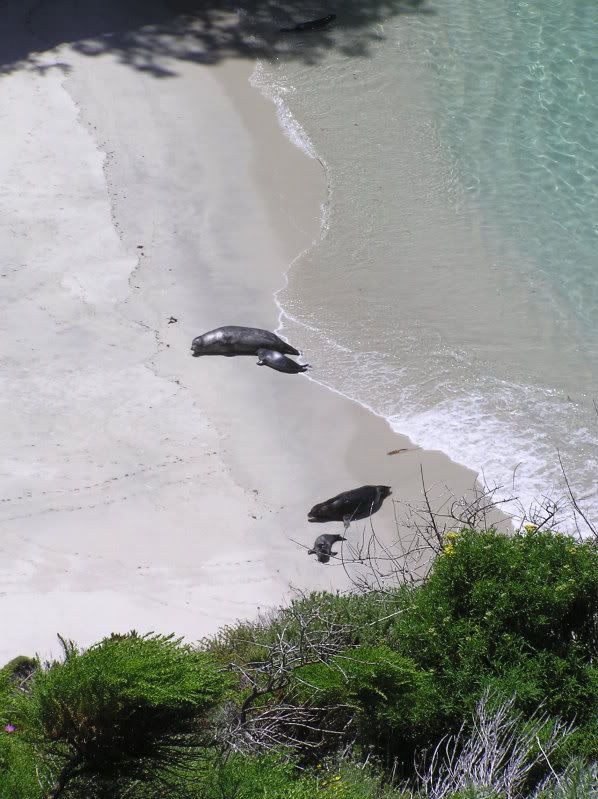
x=129, y=708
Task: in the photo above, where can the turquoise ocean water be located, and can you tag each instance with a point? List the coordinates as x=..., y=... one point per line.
x=455, y=286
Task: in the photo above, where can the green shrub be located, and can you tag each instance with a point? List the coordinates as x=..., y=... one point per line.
x=18, y=776
x=517, y=613
x=539, y=589
x=394, y=671
x=396, y=705
x=358, y=619
x=350, y=780
x=269, y=777
x=128, y=707
x=245, y=777
x=18, y=670
x=513, y=614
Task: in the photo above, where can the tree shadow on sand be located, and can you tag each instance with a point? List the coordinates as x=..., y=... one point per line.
x=152, y=36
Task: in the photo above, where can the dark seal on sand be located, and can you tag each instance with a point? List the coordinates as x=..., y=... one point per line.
x=312, y=25
x=275, y=360
x=350, y=505
x=234, y=340
x=323, y=546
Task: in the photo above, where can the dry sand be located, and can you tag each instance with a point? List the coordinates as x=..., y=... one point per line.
x=142, y=488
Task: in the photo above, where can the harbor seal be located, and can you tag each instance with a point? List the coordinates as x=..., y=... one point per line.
x=323, y=546
x=233, y=340
x=350, y=505
x=312, y=25
x=280, y=362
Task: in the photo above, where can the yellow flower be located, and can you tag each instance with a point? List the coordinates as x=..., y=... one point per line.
x=449, y=550
x=451, y=536
x=530, y=528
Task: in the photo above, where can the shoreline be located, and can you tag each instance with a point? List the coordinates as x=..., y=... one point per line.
x=449, y=258
x=145, y=489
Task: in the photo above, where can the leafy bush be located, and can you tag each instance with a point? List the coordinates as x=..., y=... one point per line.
x=517, y=613
x=357, y=618
x=539, y=589
x=126, y=708
x=268, y=777
x=18, y=763
x=242, y=777
x=514, y=614
x=391, y=672
x=394, y=702
x=18, y=670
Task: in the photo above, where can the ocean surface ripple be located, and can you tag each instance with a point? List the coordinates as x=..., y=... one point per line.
x=456, y=289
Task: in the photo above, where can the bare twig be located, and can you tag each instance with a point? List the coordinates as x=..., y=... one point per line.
x=272, y=714
x=574, y=501
x=494, y=758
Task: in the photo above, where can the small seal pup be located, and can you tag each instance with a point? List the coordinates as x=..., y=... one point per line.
x=350, y=505
x=312, y=25
x=323, y=546
x=280, y=362
x=235, y=340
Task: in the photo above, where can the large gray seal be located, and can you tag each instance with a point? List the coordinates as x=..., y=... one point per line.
x=350, y=505
x=234, y=340
x=280, y=362
x=323, y=546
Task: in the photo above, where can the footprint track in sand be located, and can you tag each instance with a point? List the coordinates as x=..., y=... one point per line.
x=28, y=495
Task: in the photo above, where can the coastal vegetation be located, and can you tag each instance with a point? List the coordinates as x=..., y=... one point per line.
x=479, y=680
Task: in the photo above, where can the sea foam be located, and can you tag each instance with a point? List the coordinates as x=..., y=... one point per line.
x=276, y=92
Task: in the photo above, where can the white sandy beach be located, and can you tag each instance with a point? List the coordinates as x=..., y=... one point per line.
x=141, y=488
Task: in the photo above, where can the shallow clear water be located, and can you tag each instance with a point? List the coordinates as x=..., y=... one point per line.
x=519, y=115
x=455, y=289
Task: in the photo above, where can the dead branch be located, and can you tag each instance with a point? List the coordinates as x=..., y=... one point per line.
x=272, y=714
x=574, y=501
x=494, y=758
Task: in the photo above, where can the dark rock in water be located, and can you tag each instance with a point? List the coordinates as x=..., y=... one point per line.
x=312, y=25
x=323, y=546
x=350, y=505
